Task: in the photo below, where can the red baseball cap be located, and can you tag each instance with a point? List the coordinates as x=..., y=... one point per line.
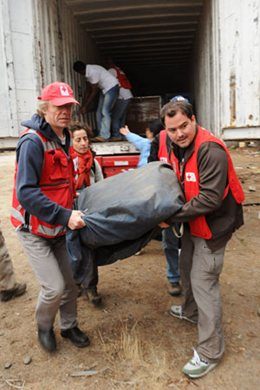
x=58, y=93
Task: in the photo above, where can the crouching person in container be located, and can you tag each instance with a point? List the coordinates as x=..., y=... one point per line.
x=42, y=208
x=212, y=212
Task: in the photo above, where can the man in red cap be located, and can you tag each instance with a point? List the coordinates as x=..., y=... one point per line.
x=42, y=209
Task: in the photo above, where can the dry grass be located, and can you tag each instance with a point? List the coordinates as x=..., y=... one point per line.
x=144, y=367
x=135, y=343
x=130, y=345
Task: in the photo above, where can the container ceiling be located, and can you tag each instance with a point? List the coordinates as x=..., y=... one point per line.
x=141, y=32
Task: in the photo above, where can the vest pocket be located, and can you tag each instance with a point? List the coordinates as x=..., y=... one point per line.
x=59, y=193
x=59, y=166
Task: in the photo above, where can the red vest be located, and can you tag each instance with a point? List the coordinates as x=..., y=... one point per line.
x=56, y=183
x=190, y=178
x=123, y=80
x=162, y=152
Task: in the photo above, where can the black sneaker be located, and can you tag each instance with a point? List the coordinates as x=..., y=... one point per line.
x=175, y=289
x=18, y=290
x=76, y=336
x=47, y=339
x=93, y=296
x=80, y=290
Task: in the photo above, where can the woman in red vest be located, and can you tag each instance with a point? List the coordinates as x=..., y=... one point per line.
x=213, y=211
x=87, y=171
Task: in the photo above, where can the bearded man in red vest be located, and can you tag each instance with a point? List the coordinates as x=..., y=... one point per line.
x=212, y=212
x=42, y=209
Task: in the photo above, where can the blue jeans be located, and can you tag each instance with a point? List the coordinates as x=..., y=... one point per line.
x=170, y=244
x=104, y=111
x=119, y=116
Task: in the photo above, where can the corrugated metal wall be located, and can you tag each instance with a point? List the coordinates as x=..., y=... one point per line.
x=239, y=23
x=39, y=41
x=205, y=66
x=226, y=72
x=60, y=42
x=17, y=73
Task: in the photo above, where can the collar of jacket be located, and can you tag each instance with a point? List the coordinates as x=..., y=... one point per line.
x=46, y=130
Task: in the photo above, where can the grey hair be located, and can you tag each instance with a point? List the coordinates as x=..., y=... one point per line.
x=42, y=106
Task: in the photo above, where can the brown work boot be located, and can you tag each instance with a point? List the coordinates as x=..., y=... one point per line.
x=115, y=139
x=80, y=290
x=16, y=291
x=99, y=139
x=175, y=289
x=93, y=296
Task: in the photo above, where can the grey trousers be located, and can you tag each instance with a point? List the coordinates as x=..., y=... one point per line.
x=200, y=269
x=49, y=261
x=7, y=278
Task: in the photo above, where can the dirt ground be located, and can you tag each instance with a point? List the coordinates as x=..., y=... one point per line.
x=135, y=343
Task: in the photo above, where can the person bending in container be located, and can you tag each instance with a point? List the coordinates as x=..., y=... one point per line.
x=102, y=81
x=87, y=172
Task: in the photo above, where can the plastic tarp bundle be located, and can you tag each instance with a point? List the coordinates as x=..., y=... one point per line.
x=122, y=213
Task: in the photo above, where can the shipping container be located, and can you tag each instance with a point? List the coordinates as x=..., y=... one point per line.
x=208, y=50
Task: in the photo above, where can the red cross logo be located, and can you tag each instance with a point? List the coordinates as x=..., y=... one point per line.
x=64, y=90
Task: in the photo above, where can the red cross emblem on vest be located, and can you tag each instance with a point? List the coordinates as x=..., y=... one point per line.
x=190, y=176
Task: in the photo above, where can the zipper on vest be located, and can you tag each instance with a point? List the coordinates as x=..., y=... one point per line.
x=181, y=170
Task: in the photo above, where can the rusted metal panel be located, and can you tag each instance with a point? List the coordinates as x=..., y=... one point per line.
x=60, y=41
x=206, y=68
x=39, y=40
x=6, y=79
x=240, y=64
x=15, y=75
x=25, y=77
x=226, y=71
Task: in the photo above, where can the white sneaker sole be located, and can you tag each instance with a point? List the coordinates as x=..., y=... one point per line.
x=194, y=376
